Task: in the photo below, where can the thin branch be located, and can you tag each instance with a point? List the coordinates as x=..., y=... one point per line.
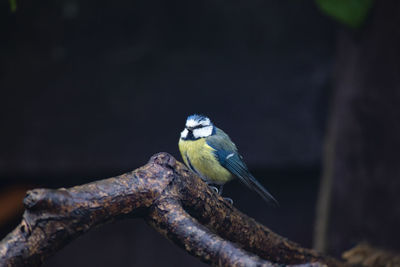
x=171, y=199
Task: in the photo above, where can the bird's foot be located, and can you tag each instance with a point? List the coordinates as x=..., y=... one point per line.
x=215, y=189
x=219, y=191
x=228, y=200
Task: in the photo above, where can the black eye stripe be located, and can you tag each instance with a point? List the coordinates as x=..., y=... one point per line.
x=198, y=126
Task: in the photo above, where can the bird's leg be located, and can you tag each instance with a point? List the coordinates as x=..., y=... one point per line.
x=219, y=191
x=221, y=187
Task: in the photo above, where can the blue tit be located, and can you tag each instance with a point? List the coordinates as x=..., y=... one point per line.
x=209, y=152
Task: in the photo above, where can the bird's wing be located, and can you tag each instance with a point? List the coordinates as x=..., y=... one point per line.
x=229, y=158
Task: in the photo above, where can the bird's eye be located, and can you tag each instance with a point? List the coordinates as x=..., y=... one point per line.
x=197, y=127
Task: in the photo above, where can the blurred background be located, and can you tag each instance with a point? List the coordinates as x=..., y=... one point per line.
x=308, y=90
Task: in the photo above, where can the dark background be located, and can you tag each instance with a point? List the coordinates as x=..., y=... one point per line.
x=92, y=89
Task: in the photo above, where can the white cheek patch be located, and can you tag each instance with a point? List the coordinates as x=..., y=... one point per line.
x=184, y=133
x=202, y=132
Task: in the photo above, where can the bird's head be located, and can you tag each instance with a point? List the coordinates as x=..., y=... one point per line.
x=197, y=126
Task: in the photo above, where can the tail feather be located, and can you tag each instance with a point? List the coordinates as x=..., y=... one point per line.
x=267, y=196
x=237, y=167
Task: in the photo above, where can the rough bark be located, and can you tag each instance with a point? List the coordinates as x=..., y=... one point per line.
x=365, y=255
x=171, y=199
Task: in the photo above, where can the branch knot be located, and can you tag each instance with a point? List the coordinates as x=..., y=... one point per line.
x=164, y=159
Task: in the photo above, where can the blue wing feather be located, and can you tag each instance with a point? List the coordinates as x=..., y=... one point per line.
x=228, y=156
x=235, y=165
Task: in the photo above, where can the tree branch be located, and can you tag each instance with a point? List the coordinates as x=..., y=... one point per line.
x=173, y=200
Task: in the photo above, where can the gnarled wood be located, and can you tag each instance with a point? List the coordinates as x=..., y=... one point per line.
x=173, y=200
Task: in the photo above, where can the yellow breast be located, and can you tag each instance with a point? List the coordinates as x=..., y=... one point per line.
x=200, y=156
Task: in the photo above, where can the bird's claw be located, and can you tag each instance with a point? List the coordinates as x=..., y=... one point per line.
x=215, y=189
x=228, y=200
x=219, y=192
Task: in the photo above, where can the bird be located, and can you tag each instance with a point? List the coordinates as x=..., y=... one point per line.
x=209, y=152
